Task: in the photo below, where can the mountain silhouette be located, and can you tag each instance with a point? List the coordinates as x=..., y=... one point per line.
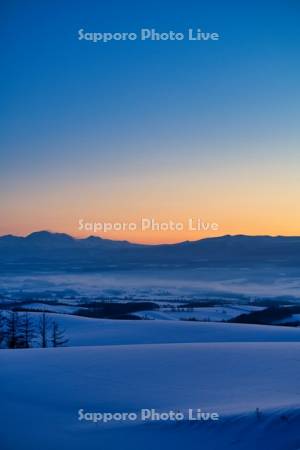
x=46, y=250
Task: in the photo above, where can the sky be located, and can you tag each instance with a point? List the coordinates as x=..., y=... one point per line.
x=168, y=130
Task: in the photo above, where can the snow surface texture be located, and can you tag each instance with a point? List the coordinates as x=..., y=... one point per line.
x=41, y=390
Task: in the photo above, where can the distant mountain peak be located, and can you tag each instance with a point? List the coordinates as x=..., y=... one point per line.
x=44, y=234
x=48, y=239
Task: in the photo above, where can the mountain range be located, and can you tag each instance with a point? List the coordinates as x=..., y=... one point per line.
x=46, y=250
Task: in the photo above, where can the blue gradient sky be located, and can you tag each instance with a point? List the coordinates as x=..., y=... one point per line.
x=159, y=129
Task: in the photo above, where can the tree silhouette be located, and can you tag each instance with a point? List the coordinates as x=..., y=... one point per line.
x=44, y=327
x=2, y=327
x=27, y=331
x=12, y=331
x=58, y=338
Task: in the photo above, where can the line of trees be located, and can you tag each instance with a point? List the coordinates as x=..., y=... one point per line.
x=21, y=331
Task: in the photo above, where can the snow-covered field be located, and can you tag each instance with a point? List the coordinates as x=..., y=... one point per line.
x=126, y=366
x=48, y=307
x=42, y=391
x=211, y=313
x=180, y=311
x=82, y=331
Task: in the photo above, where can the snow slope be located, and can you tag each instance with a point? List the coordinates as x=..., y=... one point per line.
x=86, y=331
x=83, y=331
x=125, y=366
x=41, y=392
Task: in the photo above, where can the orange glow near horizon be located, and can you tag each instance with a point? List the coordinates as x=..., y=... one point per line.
x=157, y=237
x=241, y=198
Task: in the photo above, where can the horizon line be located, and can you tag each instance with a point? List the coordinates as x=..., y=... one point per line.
x=146, y=243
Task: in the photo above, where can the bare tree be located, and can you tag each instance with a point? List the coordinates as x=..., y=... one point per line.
x=44, y=327
x=12, y=331
x=2, y=328
x=27, y=331
x=58, y=338
x=19, y=330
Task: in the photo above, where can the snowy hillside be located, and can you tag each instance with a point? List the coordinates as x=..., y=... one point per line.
x=85, y=331
x=43, y=390
x=247, y=375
